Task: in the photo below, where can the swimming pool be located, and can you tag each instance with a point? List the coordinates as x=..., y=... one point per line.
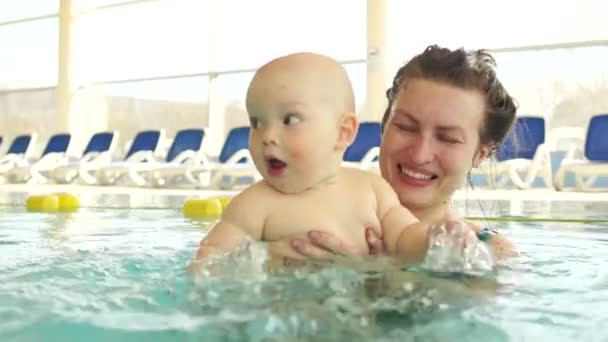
x=119, y=275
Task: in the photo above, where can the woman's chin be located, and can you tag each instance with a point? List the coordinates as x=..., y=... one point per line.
x=416, y=195
x=415, y=200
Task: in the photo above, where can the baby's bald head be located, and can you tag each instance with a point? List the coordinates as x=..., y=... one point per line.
x=301, y=108
x=307, y=77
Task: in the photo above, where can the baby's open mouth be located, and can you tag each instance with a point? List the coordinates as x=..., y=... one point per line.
x=275, y=166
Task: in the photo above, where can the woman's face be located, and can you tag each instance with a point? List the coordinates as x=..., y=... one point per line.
x=431, y=141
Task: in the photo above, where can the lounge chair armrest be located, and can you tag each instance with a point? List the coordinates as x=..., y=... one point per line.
x=143, y=156
x=96, y=158
x=238, y=155
x=542, y=150
x=575, y=151
x=203, y=159
x=372, y=154
x=25, y=162
x=51, y=159
x=185, y=156
x=12, y=158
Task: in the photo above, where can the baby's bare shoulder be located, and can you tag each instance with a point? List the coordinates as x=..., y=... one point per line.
x=370, y=180
x=254, y=195
x=358, y=175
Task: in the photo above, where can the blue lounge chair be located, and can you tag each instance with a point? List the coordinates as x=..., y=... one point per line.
x=234, y=163
x=96, y=154
x=143, y=149
x=363, y=153
x=54, y=154
x=592, y=163
x=18, y=152
x=523, y=152
x=185, y=150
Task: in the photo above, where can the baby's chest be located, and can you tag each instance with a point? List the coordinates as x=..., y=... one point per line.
x=346, y=219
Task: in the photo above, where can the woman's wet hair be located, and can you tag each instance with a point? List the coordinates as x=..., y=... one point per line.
x=470, y=70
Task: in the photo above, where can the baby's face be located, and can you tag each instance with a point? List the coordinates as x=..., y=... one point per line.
x=293, y=132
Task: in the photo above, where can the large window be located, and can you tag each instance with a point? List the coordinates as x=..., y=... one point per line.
x=22, y=9
x=170, y=104
x=28, y=54
x=88, y=4
x=170, y=40
x=27, y=111
x=412, y=25
x=565, y=85
x=193, y=36
x=156, y=38
x=28, y=68
x=250, y=33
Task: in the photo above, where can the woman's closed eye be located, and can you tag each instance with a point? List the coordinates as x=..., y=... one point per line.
x=450, y=139
x=405, y=127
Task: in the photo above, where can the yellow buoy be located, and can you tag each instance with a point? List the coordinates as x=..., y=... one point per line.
x=202, y=208
x=224, y=201
x=44, y=203
x=68, y=202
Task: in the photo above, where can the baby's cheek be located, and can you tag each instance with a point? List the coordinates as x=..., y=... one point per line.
x=299, y=150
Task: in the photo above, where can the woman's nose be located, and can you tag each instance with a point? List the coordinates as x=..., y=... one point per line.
x=422, y=151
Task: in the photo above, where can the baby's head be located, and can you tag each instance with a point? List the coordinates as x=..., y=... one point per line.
x=301, y=109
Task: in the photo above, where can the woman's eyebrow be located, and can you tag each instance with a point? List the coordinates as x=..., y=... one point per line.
x=405, y=114
x=451, y=128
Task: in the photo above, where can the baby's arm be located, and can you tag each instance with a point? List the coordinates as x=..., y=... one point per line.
x=242, y=218
x=403, y=234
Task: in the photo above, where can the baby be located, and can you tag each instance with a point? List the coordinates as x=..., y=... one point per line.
x=301, y=109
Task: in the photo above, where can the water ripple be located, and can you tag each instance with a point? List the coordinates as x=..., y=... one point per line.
x=101, y=275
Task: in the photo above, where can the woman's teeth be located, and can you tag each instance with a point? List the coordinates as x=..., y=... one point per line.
x=414, y=174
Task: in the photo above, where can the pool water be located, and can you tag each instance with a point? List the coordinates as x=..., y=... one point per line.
x=120, y=275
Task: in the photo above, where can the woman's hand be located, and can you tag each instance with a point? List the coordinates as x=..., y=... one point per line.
x=321, y=245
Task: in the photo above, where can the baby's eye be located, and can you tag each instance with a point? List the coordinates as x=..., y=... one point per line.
x=291, y=119
x=254, y=122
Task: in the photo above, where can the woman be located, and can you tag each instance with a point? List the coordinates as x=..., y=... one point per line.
x=447, y=111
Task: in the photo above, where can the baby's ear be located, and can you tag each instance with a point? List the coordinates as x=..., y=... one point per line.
x=347, y=130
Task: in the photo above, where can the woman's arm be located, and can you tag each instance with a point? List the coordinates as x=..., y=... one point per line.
x=501, y=246
x=322, y=245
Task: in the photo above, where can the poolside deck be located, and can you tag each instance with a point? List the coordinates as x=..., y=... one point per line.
x=133, y=197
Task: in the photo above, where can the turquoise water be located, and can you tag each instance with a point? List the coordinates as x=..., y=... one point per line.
x=119, y=275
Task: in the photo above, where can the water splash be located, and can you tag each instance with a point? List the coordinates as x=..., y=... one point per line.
x=453, y=248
